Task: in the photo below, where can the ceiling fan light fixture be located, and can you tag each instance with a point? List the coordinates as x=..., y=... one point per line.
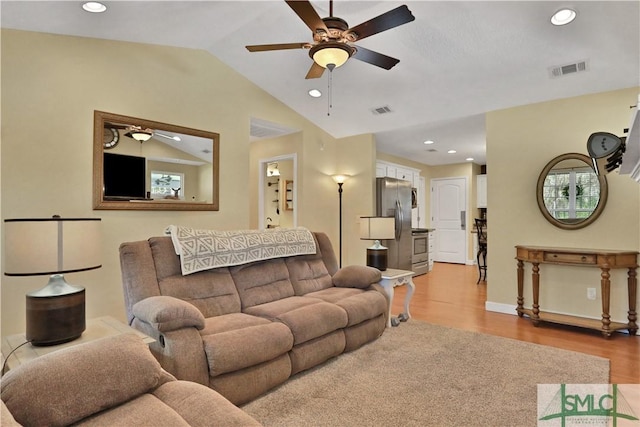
x=331, y=53
x=140, y=135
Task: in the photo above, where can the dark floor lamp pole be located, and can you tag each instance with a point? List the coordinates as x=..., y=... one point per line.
x=340, y=179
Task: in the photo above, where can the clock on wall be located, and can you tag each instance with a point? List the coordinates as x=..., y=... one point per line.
x=110, y=138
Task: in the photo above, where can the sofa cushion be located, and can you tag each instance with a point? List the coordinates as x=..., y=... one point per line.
x=359, y=304
x=307, y=318
x=137, y=412
x=55, y=389
x=356, y=276
x=201, y=406
x=308, y=274
x=212, y=292
x=239, y=348
x=262, y=282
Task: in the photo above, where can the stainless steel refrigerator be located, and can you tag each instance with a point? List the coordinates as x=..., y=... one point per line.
x=393, y=198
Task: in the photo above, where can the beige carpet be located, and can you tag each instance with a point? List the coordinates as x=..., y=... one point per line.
x=420, y=374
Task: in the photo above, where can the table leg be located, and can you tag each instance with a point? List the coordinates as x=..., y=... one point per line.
x=388, y=287
x=605, y=289
x=407, y=298
x=632, y=283
x=520, y=287
x=535, y=281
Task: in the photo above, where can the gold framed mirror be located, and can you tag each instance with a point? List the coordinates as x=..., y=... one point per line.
x=570, y=194
x=141, y=164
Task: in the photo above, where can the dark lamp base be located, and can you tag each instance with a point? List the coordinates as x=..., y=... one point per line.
x=377, y=258
x=55, y=319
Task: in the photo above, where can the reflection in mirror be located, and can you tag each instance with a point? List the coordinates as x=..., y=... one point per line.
x=146, y=165
x=570, y=194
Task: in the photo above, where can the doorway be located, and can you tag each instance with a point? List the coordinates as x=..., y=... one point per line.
x=449, y=218
x=277, y=194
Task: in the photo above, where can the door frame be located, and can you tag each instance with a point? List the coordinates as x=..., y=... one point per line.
x=262, y=174
x=434, y=204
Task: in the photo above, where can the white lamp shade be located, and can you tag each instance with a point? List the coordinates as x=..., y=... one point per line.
x=377, y=228
x=340, y=178
x=51, y=246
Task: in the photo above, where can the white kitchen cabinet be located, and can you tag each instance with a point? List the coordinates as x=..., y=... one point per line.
x=481, y=191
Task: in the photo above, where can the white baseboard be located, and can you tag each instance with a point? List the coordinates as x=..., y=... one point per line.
x=500, y=307
x=511, y=309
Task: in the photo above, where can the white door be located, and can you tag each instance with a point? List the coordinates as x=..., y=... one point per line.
x=448, y=217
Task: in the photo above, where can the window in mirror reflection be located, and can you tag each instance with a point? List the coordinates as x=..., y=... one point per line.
x=571, y=193
x=167, y=185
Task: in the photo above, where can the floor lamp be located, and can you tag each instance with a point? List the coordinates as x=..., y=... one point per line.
x=340, y=179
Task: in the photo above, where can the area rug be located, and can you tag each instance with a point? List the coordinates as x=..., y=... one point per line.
x=420, y=374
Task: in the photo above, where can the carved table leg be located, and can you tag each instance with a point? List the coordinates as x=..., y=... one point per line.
x=520, y=287
x=632, y=283
x=605, y=285
x=535, y=279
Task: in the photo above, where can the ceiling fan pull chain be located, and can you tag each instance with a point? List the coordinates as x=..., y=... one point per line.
x=329, y=89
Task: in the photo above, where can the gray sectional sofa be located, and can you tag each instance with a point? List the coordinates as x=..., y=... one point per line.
x=244, y=329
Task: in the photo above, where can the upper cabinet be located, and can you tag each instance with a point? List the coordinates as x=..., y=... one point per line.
x=481, y=191
x=386, y=169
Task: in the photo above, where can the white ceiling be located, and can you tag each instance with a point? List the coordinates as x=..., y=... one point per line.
x=458, y=59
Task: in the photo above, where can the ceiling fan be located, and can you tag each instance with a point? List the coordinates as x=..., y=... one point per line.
x=139, y=133
x=332, y=38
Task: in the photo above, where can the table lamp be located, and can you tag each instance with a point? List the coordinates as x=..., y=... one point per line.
x=377, y=228
x=53, y=246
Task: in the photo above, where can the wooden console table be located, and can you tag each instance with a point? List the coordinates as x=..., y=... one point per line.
x=604, y=259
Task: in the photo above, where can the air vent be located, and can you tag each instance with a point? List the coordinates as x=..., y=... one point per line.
x=431, y=150
x=381, y=110
x=563, y=70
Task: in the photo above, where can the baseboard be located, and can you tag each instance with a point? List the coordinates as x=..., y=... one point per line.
x=500, y=307
x=511, y=309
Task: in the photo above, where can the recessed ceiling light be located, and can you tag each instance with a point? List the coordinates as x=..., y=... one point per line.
x=469, y=159
x=452, y=151
x=94, y=7
x=428, y=142
x=563, y=16
x=315, y=93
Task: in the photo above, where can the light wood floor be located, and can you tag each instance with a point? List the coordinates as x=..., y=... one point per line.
x=449, y=296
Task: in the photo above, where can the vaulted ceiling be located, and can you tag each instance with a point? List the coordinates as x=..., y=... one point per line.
x=458, y=59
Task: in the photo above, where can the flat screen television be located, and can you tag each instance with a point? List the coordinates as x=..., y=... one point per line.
x=124, y=177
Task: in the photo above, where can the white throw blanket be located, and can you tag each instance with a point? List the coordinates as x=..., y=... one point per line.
x=207, y=249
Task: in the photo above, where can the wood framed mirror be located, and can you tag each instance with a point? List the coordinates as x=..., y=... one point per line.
x=141, y=164
x=570, y=194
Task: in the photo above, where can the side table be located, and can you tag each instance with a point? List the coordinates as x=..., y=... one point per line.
x=390, y=279
x=97, y=328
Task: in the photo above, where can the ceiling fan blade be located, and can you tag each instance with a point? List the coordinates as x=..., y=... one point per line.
x=281, y=46
x=315, y=71
x=391, y=19
x=308, y=14
x=114, y=126
x=375, y=58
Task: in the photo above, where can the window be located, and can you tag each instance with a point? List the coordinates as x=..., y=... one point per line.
x=167, y=185
x=571, y=193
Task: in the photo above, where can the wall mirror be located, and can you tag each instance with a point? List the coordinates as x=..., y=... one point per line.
x=141, y=164
x=570, y=194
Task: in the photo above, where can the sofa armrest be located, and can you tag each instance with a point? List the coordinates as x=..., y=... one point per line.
x=165, y=313
x=356, y=276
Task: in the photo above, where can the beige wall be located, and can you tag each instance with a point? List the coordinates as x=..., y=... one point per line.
x=52, y=84
x=520, y=142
